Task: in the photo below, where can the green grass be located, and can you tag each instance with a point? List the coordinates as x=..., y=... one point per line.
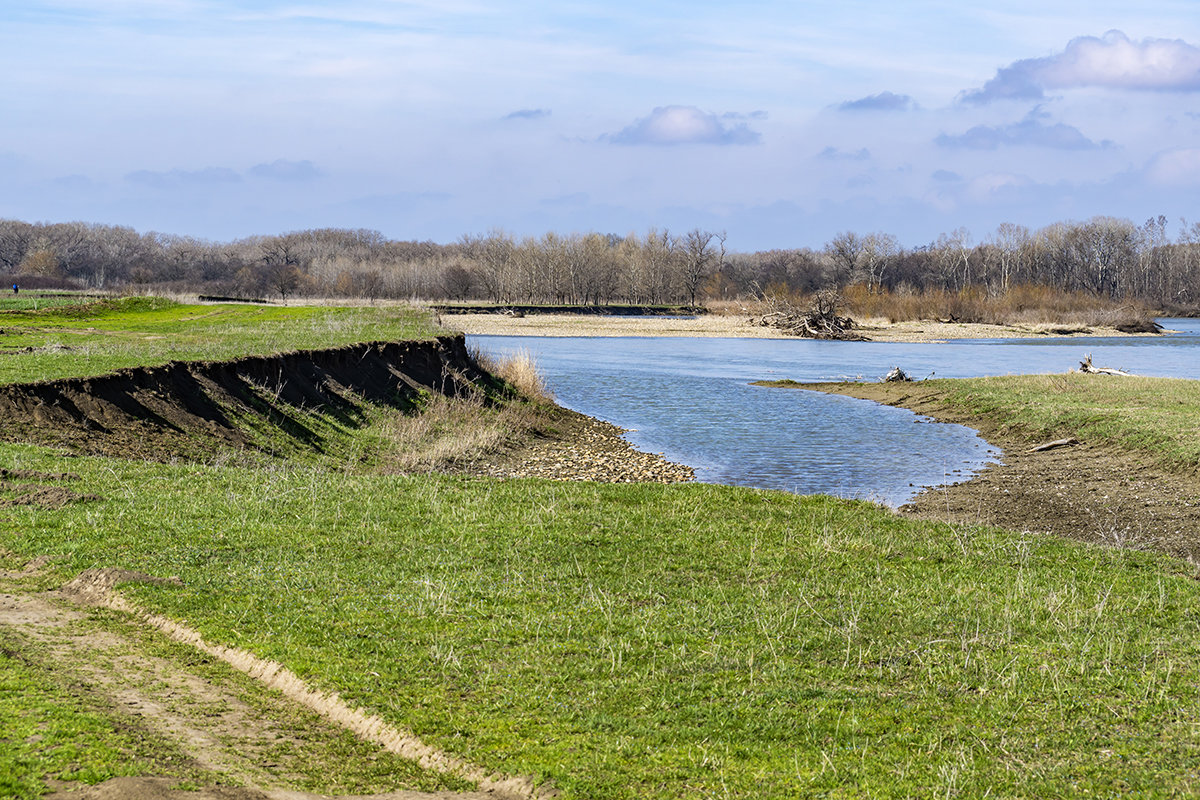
x=1157, y=417
x=686, y=641
x=101, y=337
x=642, y=641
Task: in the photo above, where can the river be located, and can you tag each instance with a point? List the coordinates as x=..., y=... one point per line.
x=691, y=400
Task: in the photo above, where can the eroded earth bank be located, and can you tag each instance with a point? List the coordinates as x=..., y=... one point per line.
x=216, y=733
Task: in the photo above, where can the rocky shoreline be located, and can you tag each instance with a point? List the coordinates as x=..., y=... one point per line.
x=587, y=449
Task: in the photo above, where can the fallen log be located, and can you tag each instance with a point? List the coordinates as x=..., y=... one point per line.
x=1088, y=368
x=1051, y=445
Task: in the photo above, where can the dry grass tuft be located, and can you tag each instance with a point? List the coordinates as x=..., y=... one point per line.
x=520, y=371
x=452, y=434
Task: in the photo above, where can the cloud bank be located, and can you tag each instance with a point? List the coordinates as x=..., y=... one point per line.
x=1112, y=61
x=284, y=170
x=675, y=125
x=1029, y=132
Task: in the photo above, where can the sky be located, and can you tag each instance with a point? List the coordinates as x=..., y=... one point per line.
x=781, y=123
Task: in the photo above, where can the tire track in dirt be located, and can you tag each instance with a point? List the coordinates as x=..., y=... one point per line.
x=211, y=723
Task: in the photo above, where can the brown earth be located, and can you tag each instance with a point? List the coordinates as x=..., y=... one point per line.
x=199, y=410
x=1091, y=492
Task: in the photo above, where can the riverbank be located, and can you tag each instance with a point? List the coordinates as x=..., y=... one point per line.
x=582, y=448
x=740, y=326
x=1093, y=490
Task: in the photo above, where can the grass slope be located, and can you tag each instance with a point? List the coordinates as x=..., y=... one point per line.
x=643, y=641
x=648, y=641
x=98, y=338
x=1159, y=417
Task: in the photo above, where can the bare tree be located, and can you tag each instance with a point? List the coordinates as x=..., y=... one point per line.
x=697, y=254
x=843, y=252
x=879, y=252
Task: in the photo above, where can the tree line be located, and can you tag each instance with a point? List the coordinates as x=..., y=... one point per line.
x=1107, y=257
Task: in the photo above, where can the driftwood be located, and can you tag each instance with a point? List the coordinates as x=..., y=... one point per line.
x=1052, y=445
x=819, y=321
x=1088, y=368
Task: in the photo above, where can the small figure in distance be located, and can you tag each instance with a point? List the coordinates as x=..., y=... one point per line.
x=16, y=288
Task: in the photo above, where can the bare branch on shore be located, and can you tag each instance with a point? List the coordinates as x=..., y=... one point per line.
x=1088, y=368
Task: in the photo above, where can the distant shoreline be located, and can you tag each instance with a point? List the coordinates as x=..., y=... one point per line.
x=739, y=327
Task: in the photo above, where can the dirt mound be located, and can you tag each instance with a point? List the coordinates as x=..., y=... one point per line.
x=38, y=494
x=183, y=409
x=91, y=587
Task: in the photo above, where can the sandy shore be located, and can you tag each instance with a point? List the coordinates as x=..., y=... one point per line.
x=737, y=326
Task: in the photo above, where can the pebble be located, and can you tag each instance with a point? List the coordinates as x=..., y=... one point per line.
x=595, y=451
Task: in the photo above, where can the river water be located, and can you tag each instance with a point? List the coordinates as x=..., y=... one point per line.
x=691, y=400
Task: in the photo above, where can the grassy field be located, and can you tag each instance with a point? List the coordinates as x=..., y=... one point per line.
x=670, y=641
x=1159, y=417
x=660, y=641
x=97, y=338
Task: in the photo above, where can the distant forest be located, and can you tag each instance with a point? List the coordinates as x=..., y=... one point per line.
x=1105, y=257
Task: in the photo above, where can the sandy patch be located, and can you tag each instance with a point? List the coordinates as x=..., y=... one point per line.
x=740, y=327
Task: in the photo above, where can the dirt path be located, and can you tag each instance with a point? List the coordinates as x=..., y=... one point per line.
x=257, y=755
x=1090, y=492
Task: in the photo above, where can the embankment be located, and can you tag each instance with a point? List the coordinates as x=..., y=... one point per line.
x=309, y=403
x=183, y=409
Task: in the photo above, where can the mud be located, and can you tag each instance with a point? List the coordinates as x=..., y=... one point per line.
x=1089, y=492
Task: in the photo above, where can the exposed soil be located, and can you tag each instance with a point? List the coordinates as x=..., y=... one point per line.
x=1086, y=491
x=184, y=410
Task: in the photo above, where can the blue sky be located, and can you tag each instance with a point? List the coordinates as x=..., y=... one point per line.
x=781, y=123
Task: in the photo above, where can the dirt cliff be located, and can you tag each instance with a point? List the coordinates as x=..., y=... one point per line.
x=182, y=409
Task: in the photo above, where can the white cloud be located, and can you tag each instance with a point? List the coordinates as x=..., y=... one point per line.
x=672, y=125
x=1112, y=61
x=1175, y=167
x=987, y=186
x=528, y=113
x=832, y=153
